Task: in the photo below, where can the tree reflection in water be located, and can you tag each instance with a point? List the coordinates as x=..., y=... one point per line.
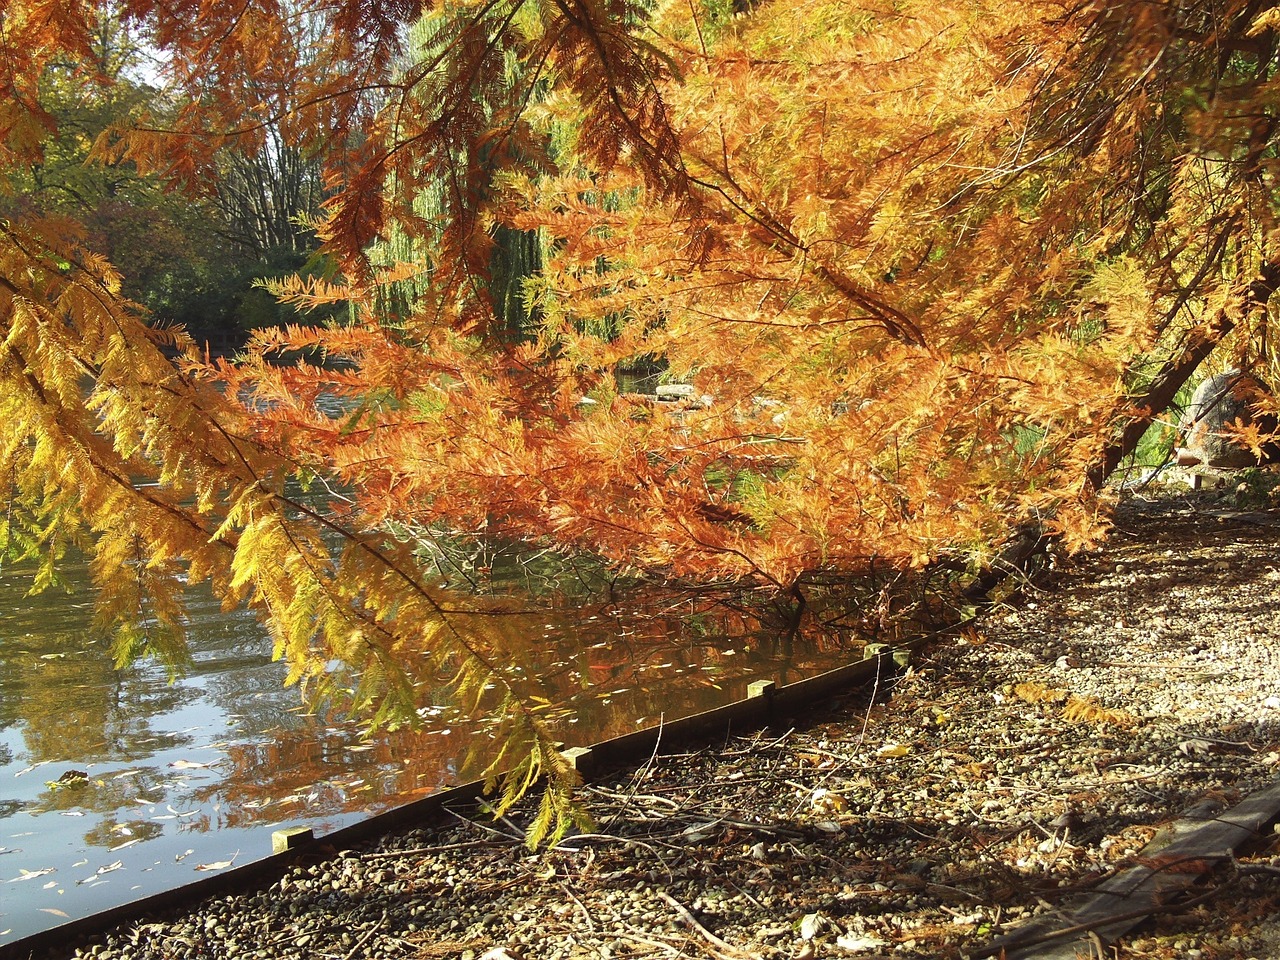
x=226, y=750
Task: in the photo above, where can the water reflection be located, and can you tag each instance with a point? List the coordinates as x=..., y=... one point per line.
x=197, y=772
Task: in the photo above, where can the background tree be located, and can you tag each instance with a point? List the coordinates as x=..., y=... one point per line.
x=190, y=256
x=128, y=218
x=935, y=264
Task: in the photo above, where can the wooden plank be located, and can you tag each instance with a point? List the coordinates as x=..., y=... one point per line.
x=1171, y=864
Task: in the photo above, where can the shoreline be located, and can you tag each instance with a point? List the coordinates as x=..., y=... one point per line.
x=1011, y=767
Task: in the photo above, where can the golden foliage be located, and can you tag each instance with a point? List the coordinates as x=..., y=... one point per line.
x=1031, y=691
x=921, y=259
x=1090, y=711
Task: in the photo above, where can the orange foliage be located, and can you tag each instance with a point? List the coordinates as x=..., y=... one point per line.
x=916, y=262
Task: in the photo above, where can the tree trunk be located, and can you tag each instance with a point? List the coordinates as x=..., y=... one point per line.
x=1178, y=370
x=1029, y=541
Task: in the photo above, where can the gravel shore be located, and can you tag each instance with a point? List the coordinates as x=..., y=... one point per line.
x=1007, y=769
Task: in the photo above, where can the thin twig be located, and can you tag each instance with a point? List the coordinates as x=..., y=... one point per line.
x=480, y=826
x=368, y=935
x=567, y=842
x=442, y=848
x=637, y=777
x=706, y=934
x=586, y=914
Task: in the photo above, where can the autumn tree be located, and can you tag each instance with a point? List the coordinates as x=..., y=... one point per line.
x=928, y=269
x=126, y=217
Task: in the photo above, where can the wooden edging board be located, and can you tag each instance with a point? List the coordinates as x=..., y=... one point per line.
x=764, y=703
x=1185, y=855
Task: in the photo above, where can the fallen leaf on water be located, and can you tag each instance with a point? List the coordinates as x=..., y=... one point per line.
x=121, y=846
x=220, y=864
x=30, y=874
x=54, y=910
x=178, y=858
x=118, y=865
x=70, y=779
x=189, y=765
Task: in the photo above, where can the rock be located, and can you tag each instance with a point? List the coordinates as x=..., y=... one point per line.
x=1220, y=400
x=683, y=395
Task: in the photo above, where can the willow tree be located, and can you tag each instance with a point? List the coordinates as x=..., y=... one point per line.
x=927, y=269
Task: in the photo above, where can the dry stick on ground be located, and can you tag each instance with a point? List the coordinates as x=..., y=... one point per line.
x=1257, y=869
x=706, y=934
x=637, y=778
x=442, y=848
x=373, y=929
x=567, y=843
x=622, y=799
x=758, y=748
x=671, y=948
x=586, y=914
x=480, y=826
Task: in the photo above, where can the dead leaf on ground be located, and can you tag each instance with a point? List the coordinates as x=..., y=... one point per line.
x=1032, y=691
x=1089, y=710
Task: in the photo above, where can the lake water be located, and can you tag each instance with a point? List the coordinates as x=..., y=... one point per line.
x=194, y=775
